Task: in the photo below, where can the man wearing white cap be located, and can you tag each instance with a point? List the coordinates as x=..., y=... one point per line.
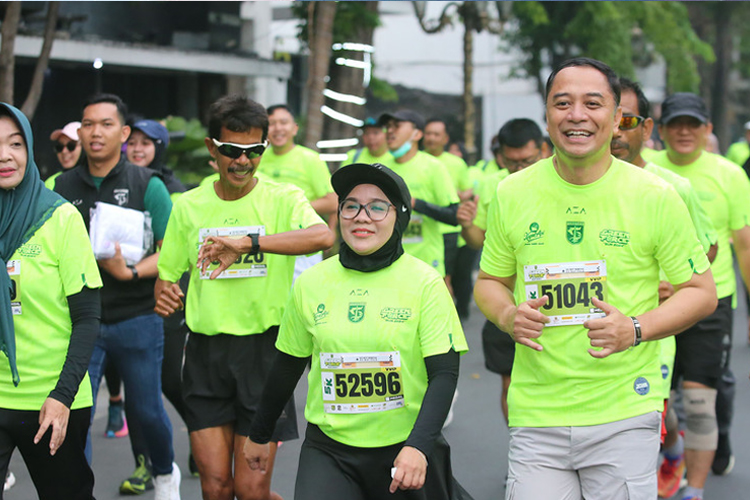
x=67, y=147
x=739, y=152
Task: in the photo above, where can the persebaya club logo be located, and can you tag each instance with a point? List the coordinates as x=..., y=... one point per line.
x=356, y=311
x=574, y=232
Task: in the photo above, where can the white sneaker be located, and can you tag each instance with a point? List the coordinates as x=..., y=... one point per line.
x=10, y=480
x=167, y=486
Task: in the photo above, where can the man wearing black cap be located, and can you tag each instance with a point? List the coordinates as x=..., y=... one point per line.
x=702, y=360
x=433, y=197
x=374, y=148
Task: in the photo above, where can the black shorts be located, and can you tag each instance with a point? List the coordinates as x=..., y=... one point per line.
x=450, y=242
x=703, y=349
x=499, y=349
x=329, y=469
x=223, y=378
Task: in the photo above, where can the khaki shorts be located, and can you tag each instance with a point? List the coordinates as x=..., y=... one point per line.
x=614, y=461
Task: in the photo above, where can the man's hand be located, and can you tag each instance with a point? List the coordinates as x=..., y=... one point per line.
x=528, y=322
x=467, y=211
x=613, y=333
x=169, y=299
x=256, y=455
x=411, y=470
x=218, y=249
x=54, y=414
x=666, y=290
x=116, y=266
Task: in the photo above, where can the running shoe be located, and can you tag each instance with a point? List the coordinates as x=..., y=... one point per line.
x=168, y=485
x=10, y=480
x=117, y=427
x=139, y=481
x=669, y=476
x=724, y=459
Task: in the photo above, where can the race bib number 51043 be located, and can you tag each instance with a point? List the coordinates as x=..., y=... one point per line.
x=570, y=288
x=361, y=382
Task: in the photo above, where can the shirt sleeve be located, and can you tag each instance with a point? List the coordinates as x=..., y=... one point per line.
x=294, y=338
x=173, y=257
x=159, y=205
x=439, y=327
x=738, y=195
x=77, y=266
x=443, y=191
x=678, y=250
x=498, y=256
x=299, y=213
x=320, y=176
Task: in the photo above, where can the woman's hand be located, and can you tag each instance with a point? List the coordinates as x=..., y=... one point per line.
x=410, y=470
x=54, y=414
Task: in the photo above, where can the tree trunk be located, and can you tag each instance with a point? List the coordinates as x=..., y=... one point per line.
x=321, y=39
x=7, y=59
x=37, y=81
x=468, y=97
x=720, y=88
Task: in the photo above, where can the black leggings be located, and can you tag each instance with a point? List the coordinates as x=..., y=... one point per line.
x=363, y=473
x=65, y=476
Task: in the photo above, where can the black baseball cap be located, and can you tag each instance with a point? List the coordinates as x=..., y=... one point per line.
x=683, y=104
x=405, y=115
x=370, y=122
x=350, y=176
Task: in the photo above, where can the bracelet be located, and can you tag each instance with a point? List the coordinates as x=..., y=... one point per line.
x=637, y=331
x=135, y=273
x=256, y=243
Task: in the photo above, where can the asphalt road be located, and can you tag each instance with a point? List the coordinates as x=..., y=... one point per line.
x=478, y=437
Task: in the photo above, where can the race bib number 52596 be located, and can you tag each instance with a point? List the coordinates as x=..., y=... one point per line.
x=570, y=288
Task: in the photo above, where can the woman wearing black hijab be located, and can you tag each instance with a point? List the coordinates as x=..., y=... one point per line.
x=385, y=340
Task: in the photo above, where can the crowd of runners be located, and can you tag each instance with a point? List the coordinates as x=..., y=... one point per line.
x=595, y=246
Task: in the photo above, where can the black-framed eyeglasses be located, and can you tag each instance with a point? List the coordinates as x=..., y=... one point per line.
x=514, y=165
x=629, y=122
x=70, y=146
x=376, y=210
x=234, y=151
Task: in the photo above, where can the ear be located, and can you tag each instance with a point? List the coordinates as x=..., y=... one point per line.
x=709, y=128
x=618, y=117
x=210, y=146
x=418, y=136
x=648, y=128
x=124, y=134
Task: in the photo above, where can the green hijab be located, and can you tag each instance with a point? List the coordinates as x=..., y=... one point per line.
x=23, y=210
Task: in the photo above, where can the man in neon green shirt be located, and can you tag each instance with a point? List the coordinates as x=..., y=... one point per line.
x=702, y=352
x=739, y=151
x=234, y=319
x=374, y=148
x=570, y=271
x=434, y=199
x=635, y=128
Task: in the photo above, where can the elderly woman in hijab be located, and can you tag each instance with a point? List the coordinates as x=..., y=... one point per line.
x=385, y=339
x=49, y=319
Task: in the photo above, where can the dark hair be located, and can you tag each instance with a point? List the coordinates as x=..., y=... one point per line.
x=518, y=132
x=122, y=109
x=237, y=113
x=272, y=109
x=644, y=107
x=437, y=120
x=614, y=82
x=461, y=147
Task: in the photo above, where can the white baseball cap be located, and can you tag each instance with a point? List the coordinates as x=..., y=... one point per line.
x=70, y=130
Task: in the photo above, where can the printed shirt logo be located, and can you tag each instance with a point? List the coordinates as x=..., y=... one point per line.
x=533, y=234
x=231, y=221
x=614, y=238
x=30, y=250
x=356, y=312
x=575, y=210
x=359, y=292
x=395, y=314
x=641, y=386
x=122, y=196
x=320, y=314
x=574, y=232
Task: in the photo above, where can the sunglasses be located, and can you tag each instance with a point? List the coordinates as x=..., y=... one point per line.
x=376, y=210
x=234, y=151
x=629, y=122
x=71, y=146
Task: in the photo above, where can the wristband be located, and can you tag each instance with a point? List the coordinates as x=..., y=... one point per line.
x=637, y=331
x=135, y=273
x=256, y=243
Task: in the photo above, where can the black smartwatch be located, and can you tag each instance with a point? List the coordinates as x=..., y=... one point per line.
x=135, y=273
x=256, y=243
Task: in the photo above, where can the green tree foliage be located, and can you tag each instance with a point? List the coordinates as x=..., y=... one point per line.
x=187, y=154
x=349, y=17
x=622, y=34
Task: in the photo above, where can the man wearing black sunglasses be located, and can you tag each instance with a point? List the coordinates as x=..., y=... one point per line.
x=262, y=225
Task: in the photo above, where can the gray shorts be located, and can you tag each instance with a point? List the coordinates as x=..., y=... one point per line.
x=615, y=461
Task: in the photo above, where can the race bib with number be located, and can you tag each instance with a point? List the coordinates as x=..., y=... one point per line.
x=413, y=233
x=569, y=286
x=14, y=270
x=361, y=382
x=247, y=265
